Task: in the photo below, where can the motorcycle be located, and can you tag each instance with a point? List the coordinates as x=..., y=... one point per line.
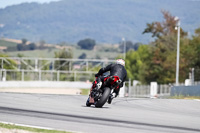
x=98, y=97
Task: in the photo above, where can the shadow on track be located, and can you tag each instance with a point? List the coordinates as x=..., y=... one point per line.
x=85, y=119
x=95, y=107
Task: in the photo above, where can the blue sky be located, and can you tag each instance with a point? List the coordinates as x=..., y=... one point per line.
x=4, y=3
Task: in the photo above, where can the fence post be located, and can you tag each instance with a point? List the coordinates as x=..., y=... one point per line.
x=1, y=63
x=153, y=89
x=51, y=75
x=0, y=74
x=74, y=75
x=36, y=64
x=4, y=75
x=53, y=65
x=86, y=65
x=70, y=65
x=130, y=88
x=40, y=76
x=129, y=85
x=58, y=75
x=22, y=75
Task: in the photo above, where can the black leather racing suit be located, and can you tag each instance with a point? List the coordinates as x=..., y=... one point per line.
x=115, y=70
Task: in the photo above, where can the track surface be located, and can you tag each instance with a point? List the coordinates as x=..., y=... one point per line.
x=124, y=115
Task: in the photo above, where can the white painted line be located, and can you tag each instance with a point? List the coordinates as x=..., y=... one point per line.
x=197, y=100
x=38, y=127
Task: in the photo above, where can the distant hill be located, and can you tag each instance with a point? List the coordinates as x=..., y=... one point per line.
x=106, y=21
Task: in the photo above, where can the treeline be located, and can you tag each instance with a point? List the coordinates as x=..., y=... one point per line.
x=157, y=60
x=87, y=44
x=31, y=46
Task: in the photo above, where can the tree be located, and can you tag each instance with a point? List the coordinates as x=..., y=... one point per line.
x=23, y=46
x=129, y=46
x=42, y=45
x=87, y=44
x=24, y=41
x=166, y=28
x=157, y=61
x=20, y=47
x=190, y=53
x=163, y=63
x=136, y=62
x=82, y=56
x=32, y=46
x=63, y=54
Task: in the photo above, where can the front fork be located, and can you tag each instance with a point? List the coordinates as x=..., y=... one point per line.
x=95, y=94
x=91, y=96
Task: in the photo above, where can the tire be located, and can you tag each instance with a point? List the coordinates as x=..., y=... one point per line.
x=87, y=102
x=103, y=98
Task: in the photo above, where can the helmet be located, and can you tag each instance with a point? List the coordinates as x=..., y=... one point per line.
x=120, y=61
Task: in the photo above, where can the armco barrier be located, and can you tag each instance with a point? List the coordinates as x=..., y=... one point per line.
x=45, y=84
x=185, y=90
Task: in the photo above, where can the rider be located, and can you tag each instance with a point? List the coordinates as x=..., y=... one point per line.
x=117, y=69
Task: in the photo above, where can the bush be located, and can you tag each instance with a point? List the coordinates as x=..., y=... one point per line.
x=87, y=44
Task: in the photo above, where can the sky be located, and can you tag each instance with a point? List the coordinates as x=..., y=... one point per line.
x=4, y=3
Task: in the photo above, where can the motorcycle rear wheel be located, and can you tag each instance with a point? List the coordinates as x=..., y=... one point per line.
x=103, y=98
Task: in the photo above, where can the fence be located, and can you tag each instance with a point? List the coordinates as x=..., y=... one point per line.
x=145, y=91
x=49, y=69
x=45, y=75
x=185, y=90
x=28, y=63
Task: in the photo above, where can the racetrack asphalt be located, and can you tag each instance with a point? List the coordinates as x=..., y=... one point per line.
x=127, y=115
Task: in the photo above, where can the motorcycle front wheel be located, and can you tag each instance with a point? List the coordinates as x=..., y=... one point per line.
x=87, y=102
x=103, y=98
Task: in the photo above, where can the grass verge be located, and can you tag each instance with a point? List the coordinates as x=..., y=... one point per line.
x=37, y=130
x=185, y=97
x=85, y=91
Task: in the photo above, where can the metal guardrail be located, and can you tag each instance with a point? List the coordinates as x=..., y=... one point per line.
x=28, y=63
x=45, y=75
x=49, y=69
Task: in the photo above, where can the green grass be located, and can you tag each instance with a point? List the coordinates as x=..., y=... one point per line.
x=35, y=53
x=37, y=130
x=93, y=54
x=7, y=44
x=85, y=91
x=100, y=51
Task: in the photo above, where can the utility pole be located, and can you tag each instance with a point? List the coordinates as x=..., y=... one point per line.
x=124, y=41
x=178, y=51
